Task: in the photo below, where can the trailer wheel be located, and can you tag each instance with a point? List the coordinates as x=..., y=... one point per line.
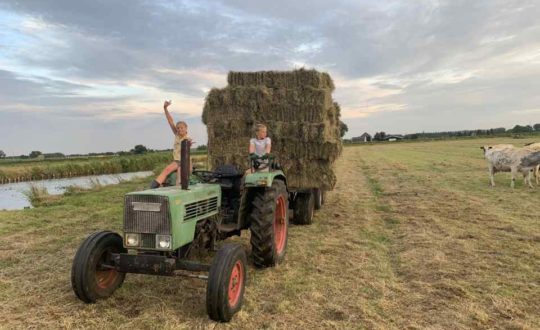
x=303, y=208
x=226, y=283
x=269, y=227
x=319, y=198
x=91, y=275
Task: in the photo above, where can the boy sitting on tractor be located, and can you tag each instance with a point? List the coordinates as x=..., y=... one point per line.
x=259, y=150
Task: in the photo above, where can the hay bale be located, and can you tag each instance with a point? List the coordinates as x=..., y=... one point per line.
x=320, y=174
x=260, y=104
x=282, y=79
x=300, y=131
x=297, y=108
x=283, y=147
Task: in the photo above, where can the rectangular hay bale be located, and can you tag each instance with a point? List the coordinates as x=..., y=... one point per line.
x=286, y=79
x=257, y=104
x=277, y=130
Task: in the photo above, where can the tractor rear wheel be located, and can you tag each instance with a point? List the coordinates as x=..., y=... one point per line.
x=269, y=219
x=92, y=274
x=303, y=208
x=226, y=283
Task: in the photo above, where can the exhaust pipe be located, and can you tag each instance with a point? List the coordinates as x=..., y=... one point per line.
x=185, y=145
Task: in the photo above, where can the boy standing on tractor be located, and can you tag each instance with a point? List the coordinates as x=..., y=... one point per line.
x=180, y=134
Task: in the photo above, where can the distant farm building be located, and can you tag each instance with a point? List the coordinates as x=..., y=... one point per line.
x=362, y=138
x=393, y=137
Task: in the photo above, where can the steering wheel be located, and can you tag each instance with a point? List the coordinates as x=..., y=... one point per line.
x=204, y=175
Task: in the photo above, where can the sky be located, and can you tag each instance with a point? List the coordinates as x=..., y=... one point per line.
x=91, y=76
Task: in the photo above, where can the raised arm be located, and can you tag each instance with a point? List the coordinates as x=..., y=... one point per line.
x=169, y=117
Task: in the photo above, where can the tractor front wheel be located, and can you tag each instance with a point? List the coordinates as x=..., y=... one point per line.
x=92, y=274
x=269, y=225
x=226, y=283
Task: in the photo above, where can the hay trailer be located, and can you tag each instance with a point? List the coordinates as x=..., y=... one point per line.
x=304, y=202
x=162, y=226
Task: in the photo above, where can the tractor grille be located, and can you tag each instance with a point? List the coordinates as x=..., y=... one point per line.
x=147, y=214
x=148, y=241
x=197, y=209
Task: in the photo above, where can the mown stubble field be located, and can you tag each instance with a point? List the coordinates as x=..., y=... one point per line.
x=412, y=237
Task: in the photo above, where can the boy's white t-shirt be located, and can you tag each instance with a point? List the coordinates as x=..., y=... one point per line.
x=260, y=145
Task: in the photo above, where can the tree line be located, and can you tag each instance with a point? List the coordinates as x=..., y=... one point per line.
x=499, y=131
x=478, y=132
x=137, y=150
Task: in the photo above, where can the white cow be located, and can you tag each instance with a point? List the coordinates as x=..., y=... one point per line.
x=507, y=158
x=536, y=172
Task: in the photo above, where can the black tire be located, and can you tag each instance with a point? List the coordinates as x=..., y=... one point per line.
x=222, y=300
x=89, y=280
x=268, y=233
x=304, y=208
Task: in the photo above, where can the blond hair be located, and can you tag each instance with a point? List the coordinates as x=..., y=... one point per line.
x=258, y=127
x=181, y=123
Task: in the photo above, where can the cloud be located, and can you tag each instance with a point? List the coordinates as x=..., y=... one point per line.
x=399, y=66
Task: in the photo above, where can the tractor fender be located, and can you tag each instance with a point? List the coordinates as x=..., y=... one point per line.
x=263, y=179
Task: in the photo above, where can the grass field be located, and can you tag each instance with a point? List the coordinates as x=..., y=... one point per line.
x=412, y=237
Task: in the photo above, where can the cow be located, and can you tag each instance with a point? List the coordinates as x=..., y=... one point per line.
x=507, y=158
x=536, y=172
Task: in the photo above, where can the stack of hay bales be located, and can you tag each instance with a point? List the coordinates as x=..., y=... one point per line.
x=302, y=120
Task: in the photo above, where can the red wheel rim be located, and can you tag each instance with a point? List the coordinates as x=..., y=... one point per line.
x=280, y=225
x=105, y=277
x=235, y=283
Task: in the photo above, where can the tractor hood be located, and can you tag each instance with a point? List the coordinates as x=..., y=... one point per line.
x=171, y=211
x=195, y=191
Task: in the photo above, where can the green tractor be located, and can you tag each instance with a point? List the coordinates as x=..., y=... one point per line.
x=162, y=226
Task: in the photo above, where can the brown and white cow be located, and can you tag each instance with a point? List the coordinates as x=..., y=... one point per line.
x=507, y=158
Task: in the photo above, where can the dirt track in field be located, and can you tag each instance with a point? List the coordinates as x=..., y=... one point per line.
x=410, y=238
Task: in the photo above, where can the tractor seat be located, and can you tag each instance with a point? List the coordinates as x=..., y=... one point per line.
x=227, y=171
x=228, y=176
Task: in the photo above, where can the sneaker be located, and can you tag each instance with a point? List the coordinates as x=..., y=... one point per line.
x=154, y=184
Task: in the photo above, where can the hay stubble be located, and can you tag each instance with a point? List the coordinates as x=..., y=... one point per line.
x=412, y=237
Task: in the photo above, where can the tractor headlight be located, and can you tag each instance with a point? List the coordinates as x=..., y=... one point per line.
x=262, y=182
x=132, y=239
x=163, y=242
